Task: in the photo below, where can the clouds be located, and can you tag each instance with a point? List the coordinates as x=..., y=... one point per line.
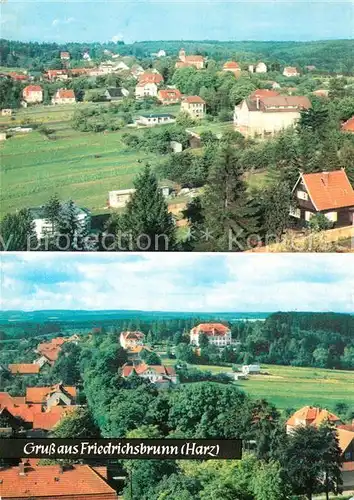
x=58, y=22
x=178, y=282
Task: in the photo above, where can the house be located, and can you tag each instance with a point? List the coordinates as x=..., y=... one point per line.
x=188, y=61
x=194, y=105
x=151, y=77
x=310, y=415
x=136, y=70
x=65, y=56
x=321, y=93
x=64, y=96
x=18, y=77
x=86, y=56
x=55, y=395
x=145, y=89
x=3, y=136
x=262, y=93
x=232, y=67
x=290, y=71
x=43, y=228
x=24, y=368
x=161, y=53
x=152, y=119
x=32, y=94
x=121, y=66
x=346, y=444
x=130, y=340
x=261, y=67
x=6, y=112
x=119, y=198
x=155, y=374
x=348, y=126
x=251, y=369
x=266, y=116
x=311, y=67
x=57, y=482
x=49, y=351
x=169, y=96
x=329, y=193
x=57, y=74
x=116, y=94
x=217, y=334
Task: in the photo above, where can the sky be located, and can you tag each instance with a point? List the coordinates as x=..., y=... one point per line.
x=134, y=20
x=185, y=282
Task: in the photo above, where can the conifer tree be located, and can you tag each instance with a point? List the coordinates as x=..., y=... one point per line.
x=17, y=232
x=146, y=224
x=230, y=217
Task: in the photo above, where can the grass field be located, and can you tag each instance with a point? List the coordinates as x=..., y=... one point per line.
x=293, y=387
x=77, y=165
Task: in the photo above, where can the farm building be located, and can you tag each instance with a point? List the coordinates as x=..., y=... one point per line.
x=152, y=119
x=251, y=369
x=116, y=94
x=119, y=198
x=43, y=228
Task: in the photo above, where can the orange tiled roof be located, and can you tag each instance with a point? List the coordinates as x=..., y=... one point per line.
x=150, y=78
x=231, y=65
x=48, y=481
x=194, y=99
x=329, y=190
x=133, y=335
x=143, y=367
x=24, y=368
x=211, y=329
x=65, y=94
x=345, y=438
x=169, y=93
x=49, y=419
x=348, y=126
x=194, y=58
x=25, y=412
x=261, y=93
x=32, y=88
x=39, y=394
x=312, y=415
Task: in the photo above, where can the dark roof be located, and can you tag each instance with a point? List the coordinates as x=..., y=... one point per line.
x=158, y=115
x=114, y=92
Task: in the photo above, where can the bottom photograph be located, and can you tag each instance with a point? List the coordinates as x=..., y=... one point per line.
x=176, y=376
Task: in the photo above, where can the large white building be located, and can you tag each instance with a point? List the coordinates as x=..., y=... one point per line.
x=265, y=116
x=43, y=227
x=217, y=334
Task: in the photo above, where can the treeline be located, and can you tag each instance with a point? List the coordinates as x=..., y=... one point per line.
x=329, y=55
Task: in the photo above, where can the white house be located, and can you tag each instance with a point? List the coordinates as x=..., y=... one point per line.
x=130, y=340
x=43, y=227
x=145, y=89
x=33, y=94
x=265, y=116
x=64, y=96
x=251, y=369
x=290, y=71
x=155, y=374
x=217, y=334
x=119, y=198
x=152, y=119
x=261, y=67
x=194, y=105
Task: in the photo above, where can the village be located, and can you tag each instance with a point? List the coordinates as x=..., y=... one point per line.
x=125, y=97
x=52, y=410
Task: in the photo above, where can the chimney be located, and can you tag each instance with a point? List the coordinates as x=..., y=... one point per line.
x=21, y=469
x=325, y=178
x=257, y=100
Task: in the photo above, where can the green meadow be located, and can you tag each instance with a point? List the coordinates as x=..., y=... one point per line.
x=78, y=165
x=294, y=387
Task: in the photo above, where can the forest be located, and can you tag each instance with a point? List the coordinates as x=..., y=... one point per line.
x=328, y=55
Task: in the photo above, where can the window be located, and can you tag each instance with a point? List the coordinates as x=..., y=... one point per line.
x=295, y=212
x=332, y=216
x=302, y=195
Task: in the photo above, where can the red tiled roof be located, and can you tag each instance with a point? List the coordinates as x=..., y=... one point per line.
x=348, y=126
x=312, y=415
x=150, y=78
x=133, y=335
x=55, y=72
x=24, y=368
x=194, y=58
x=49, y=419
x=48, y=481
x=65, y=94
x=211, y=329
x=329, y=190
x=345, y=438
x=39, y=394
x=231, y=65
x=262, y=93
x=32, y=88
x=194, y=99
x=25, y=412
x=290, y=69
x=16, y=76
x=347, y=466
x=143, y=367
x=169, y=94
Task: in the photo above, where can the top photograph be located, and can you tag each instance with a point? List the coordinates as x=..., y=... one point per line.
x=186, y=126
